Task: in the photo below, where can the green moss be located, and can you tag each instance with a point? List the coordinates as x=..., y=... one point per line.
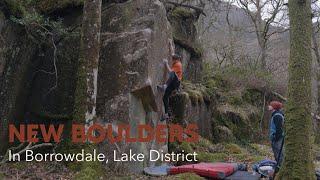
x=241, y=120
x=235, y=100
x=223, y=134
x=195, y=97
x=196, y=92
x=187, y=147
x=181, y=12
x=89, y=171
x=80, y=93
x=251, y=96
x=233, y=148
x=204, y=143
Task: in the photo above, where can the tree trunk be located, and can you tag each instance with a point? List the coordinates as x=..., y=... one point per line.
x=86, y=91
x=316, y=83
x=263, y=55
x=232, y=40
x=260, y=36
x=298, y=160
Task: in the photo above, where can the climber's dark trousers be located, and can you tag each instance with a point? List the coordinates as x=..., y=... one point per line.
x=173, y=83
x=276, y=148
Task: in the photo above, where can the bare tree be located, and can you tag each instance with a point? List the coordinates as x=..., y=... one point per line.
x=263, y=14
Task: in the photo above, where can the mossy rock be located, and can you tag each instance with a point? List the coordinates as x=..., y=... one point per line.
x=241, y=120
x=253, y=96
x=235, y=100
x=181, y=12
x=233, y=149
x=223, y=134
x=197, y=93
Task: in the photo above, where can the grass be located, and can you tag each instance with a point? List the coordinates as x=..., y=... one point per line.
x=185, y=176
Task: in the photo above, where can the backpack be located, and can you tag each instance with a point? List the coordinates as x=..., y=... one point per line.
x=260, y=167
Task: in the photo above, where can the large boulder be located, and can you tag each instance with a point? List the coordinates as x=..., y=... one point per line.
x=185, y=39
x=135, y=36
x=192, y=106
x=16, y=54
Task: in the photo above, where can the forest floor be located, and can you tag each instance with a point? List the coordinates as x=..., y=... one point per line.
x=247, y=154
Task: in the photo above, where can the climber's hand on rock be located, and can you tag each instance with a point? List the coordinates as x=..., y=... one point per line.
x=165, y=61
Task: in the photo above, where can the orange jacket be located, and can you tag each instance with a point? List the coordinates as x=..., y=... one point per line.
x=177, y=68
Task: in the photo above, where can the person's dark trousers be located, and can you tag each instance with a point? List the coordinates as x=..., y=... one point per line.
x=276, y=148
x=173, y=83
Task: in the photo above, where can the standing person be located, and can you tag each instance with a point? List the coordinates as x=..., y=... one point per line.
x=173, y=82
x=276, y=134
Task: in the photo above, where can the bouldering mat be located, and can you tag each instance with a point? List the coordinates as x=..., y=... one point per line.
x=209, y=170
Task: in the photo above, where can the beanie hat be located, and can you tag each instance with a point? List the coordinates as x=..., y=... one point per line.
x=276, y=105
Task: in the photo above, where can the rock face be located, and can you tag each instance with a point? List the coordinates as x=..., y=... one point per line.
x=16, y=53
x=136, y=36
x=185, y=38
x=191, y=107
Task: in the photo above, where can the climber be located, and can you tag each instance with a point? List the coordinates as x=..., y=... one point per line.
x=276, y=134
x=173, y=82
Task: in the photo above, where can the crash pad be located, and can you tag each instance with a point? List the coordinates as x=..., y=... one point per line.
x=157, y=170
x=209, y=170
x=243, y=175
